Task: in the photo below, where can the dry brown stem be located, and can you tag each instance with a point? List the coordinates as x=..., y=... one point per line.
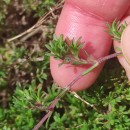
x=39, y=22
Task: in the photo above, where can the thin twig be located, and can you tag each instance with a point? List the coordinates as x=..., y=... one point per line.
x=81, y=99
x=35, y=31
x=19, y=61
x=84, y=101
x=34, y=60
x=68, y=87
x=39, y=22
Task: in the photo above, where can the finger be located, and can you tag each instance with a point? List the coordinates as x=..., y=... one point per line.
x=86, y=18
x=106, y=9
x=125, y=45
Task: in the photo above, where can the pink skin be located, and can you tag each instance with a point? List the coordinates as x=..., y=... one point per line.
x=86, y=18
x=125, y=46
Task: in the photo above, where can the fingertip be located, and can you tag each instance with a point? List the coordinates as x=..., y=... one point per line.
x=128, y=75
x=125, y=43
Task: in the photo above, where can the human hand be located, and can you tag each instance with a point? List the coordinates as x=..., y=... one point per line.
x=87, y=18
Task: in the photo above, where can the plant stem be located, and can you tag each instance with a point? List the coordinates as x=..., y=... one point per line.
x=90, y=69
x=68, y=87
x=100, y=60
x=42, y=121
x=50, y=108
x=81, y=99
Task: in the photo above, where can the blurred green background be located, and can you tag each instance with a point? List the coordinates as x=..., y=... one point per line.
x=26, y=85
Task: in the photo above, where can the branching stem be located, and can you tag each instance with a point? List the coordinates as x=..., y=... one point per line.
x=68, y=87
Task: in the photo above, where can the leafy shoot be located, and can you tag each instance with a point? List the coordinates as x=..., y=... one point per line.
x=115, y=30
x=66, y=50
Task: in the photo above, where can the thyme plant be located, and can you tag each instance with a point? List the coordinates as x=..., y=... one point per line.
x=66, y=50
x=114, y=31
